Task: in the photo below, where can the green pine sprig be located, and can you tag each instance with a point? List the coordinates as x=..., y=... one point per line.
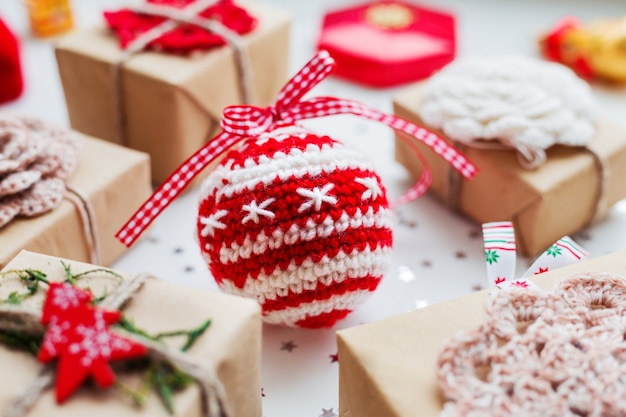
x=159, y=376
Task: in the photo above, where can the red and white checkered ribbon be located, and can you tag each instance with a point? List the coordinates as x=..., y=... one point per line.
x=500, y=256
x=239, y=122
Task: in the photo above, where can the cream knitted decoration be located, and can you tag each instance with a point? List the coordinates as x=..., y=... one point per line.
x=520, y=102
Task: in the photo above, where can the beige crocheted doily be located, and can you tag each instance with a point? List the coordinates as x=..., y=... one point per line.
x=559, y=353
x=35, y=159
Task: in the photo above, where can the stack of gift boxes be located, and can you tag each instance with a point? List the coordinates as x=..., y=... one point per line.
x=146, y=103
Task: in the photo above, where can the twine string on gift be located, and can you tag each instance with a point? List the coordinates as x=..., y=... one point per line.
x=87, y=216
x=600, y=203
x=35, y=160
x=175, y=17
x=16, y=319
x=529, y=157
x=240, y=122
x=211, y=390
x=27, y=398
x=500, y=256
x=454, y=182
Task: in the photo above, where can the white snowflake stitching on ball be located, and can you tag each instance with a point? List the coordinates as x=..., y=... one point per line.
x=255, y=210
x=521, y=102
x=212, y=222
x=316, y=197
x=372, y=188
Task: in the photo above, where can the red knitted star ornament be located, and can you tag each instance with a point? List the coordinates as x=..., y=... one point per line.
x=78, y=335
x=185, y=38
x=298, y=222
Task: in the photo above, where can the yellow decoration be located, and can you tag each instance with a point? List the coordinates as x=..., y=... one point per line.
x=606, y=42
x=600, y=43
x=49, y=17
x=389, y=16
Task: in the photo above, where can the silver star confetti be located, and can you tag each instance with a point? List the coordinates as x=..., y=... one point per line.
x=328, y=413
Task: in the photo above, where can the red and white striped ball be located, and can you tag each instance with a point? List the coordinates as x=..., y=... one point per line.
x=298, y=222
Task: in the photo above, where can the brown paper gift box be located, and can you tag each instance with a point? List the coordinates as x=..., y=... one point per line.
x=172, y=104
x=388, y=368
x=114, y=179
x=231, y=346
x=555, y=200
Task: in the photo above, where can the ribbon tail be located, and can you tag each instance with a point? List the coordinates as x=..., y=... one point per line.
x=173, y=186
x=500, y=253
x=450, y=154
x=328, y=106
x=563, y=252
x=423, y=182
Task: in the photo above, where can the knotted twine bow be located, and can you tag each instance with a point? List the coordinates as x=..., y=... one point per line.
x=500, y=256
x=240, y=122
x=64, y=300
x=175, y=17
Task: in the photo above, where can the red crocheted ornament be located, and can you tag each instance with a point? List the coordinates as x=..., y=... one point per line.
x=11, y=80
x=298, y=222
x=186, y=38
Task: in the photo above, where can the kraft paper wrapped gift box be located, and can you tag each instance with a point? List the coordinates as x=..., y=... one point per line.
x=114, y=180
x=171, y=104
x=388, y=368
x=231, y=346
x=559, y=198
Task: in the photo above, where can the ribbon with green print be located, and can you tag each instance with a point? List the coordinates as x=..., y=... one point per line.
x=500, y=256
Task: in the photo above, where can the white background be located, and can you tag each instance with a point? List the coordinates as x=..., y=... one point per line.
x=437, y=255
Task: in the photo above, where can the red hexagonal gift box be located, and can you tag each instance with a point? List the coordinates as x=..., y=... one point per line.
x=386, y=43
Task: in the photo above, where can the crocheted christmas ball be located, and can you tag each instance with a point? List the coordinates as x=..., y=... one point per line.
x=298, y=222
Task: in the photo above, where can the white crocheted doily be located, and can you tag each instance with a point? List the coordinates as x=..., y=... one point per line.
x=520, y=102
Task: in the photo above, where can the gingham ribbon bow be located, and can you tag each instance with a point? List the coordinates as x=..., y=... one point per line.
x=240, y=122
x=500, y=256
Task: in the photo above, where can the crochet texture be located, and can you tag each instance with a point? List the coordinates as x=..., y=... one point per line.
x=185, y=38
x=35, y=158
x=515, y=100
x=297, y=222
x=542, y=354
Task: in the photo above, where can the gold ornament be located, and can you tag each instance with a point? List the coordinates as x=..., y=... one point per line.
x=392, y=16
x=599, y=44
x=605, y=41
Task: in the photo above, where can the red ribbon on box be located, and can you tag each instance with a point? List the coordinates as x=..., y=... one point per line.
x=239, y=122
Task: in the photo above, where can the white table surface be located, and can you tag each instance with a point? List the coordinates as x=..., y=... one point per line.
x=437, y=254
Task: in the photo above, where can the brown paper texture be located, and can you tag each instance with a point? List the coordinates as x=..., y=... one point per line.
x=545, y=204
x=231, y=346
x=114, y=179
x=388, y=368
x=172, y=104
